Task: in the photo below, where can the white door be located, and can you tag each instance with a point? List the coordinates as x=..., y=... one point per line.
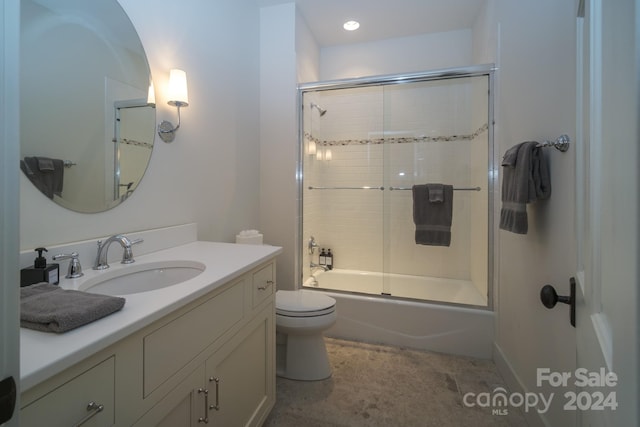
x=607, y=215
x=9, y=202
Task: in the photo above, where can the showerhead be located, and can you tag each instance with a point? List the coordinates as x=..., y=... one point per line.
x=320, y=109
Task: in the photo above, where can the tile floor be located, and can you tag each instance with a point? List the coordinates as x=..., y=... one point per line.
x=374, y=385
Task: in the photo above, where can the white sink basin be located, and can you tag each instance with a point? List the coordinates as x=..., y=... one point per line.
x=143, y=277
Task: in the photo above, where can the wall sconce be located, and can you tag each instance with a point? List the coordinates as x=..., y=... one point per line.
x=178, y=97
x=151, y=96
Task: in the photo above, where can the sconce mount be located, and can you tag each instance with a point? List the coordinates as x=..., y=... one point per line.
x=177, y=98
x=166, y=131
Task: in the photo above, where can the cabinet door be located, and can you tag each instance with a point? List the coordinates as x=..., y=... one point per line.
x=241, y=375
x=184, y=406
x=86, y=400
x=263, y=284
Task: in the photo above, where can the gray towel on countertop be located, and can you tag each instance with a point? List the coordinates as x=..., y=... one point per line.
x=432, y=218
x=49, y=308
x=525, y=179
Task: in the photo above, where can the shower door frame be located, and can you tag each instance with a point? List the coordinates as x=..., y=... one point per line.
x=486, y=70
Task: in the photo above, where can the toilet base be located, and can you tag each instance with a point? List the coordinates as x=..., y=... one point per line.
x=302, y=357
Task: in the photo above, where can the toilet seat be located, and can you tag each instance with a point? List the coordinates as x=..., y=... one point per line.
x=303, y=303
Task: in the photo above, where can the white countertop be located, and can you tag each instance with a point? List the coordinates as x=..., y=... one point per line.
x=44, y=354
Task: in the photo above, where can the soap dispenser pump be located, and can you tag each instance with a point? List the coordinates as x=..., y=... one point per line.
x=40, y=261
x=40, y=272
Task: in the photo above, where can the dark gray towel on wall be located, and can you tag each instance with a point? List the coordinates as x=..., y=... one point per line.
x=525, y=179
x=45, y=173
x=49, y=308
x=432, y=214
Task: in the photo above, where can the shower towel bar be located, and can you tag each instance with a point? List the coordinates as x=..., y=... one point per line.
x=345, y=188
x=561, y=143
x=382, y=188
x=68, y=163
x=455, y=189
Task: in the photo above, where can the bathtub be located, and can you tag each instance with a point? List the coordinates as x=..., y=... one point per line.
x=387, y=320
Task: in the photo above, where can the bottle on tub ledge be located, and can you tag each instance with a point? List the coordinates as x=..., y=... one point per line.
x=329, y=259
x=322, y=260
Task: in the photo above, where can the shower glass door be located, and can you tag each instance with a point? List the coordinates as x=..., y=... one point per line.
x=342, y=181
x=436, y=132
x=363, y=149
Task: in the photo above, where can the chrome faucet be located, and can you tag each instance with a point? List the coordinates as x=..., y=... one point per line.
x=103, y=248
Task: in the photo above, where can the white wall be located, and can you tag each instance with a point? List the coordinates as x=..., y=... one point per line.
x=278, y=135
x=536, y=100
x=400, y=55
x=307, y=52
x=210, y=173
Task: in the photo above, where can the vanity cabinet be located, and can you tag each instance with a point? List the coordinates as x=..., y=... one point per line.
x=87, y=400
x=210, y=362
x=239, y=376
x=234, y=387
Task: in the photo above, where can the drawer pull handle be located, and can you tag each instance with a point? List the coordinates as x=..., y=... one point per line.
x=217, y=405
x=206, y=405
x=263, y=288
x=93, y=408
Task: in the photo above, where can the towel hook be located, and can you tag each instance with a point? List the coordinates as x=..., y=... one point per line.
x=561, y=143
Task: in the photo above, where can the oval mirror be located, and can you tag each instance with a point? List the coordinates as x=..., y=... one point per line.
x=86, y=124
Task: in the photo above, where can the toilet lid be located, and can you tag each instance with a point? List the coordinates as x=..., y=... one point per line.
x=303, y=303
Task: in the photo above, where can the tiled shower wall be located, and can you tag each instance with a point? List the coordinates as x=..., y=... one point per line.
x=373, y=230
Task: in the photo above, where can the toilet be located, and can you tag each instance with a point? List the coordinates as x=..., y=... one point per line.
x=301, y=318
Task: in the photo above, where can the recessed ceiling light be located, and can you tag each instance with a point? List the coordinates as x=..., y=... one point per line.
x=351, y=25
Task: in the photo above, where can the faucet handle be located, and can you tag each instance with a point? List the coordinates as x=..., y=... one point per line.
x=75, y=269
x=127, y=254
x=312, y=245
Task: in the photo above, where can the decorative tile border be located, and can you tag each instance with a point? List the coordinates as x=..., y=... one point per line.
x=391, y=140
x=136, y=143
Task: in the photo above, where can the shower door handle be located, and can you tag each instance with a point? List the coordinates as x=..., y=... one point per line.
x=550, y=298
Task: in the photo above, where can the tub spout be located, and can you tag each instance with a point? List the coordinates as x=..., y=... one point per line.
x=313, y=266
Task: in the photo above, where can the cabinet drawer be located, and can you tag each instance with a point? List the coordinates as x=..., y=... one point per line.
x=263, y=284
x=171, y=347
x=69, y=404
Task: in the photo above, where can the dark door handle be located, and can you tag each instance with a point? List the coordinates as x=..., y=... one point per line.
x=550, y=298
x=8, y=392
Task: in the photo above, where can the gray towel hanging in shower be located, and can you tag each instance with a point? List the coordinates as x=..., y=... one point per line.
x=432, y=214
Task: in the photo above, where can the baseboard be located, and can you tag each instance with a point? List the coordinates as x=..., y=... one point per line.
x=514, y=384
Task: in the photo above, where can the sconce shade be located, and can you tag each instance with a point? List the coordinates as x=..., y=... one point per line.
x=328, y=156
x=177, y=95
x=177, y=91
x=151, y=96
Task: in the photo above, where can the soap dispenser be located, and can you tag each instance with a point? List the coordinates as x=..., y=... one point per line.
x=40, y=272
